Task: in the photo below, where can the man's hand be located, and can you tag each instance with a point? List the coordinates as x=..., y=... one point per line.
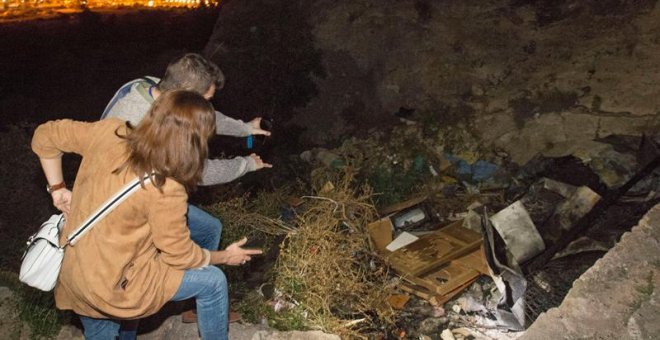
x=62, y=200
x=256, y=129
x=260, y=163
x=235, y=255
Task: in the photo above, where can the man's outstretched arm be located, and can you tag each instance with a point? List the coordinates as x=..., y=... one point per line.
x=219, y=171
x=228, y=126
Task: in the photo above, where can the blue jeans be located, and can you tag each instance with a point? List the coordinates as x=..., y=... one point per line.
x=207, y=285
x=205, y=231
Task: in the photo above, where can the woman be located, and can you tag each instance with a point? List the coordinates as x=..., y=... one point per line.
x=139, y=256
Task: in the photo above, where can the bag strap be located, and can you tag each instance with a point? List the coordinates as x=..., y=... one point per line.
x=104, y=210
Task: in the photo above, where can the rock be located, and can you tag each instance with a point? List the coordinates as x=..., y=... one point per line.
x=169, y=329
x=70, y=332
x=463, y=332
x=447, y=335
x=241, y=333
x=173, y=329
x=558, y=134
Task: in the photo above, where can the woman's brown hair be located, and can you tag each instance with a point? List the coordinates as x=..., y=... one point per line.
x=172, y=139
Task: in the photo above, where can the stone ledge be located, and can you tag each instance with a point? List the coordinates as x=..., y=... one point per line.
x=617, y=298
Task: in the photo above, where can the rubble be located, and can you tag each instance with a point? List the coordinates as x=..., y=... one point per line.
x=459, y=243
x=441, y=263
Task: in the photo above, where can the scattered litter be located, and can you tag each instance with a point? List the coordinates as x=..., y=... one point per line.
x=409, y=218
x=453, y=216
x=440, y=245
x=561, y=188
x=518, y=232
x=398, y=301
x=401, y=241
x=472, y=221
x=509, y=281
x=472, y=170
x=323, y=156
x=470, y=304
x=433, y=171
x=438, y=311
x=280, y=303
x=456, y=308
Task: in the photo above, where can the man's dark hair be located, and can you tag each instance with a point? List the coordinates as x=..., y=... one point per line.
x=192, y=72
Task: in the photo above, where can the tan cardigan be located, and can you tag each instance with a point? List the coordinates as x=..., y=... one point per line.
x=130, y=263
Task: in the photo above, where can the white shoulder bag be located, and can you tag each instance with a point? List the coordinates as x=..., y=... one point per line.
x=43, y=257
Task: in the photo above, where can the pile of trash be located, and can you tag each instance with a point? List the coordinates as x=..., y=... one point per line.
x=424, y=226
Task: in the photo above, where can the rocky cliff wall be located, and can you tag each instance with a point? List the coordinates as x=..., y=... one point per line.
x=525, y=77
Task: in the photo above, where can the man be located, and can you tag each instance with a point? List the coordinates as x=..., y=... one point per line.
x=192, y=72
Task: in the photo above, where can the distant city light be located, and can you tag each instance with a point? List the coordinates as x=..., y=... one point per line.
x=15, y=9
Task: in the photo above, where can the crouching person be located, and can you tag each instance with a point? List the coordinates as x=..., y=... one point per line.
x=140, y=255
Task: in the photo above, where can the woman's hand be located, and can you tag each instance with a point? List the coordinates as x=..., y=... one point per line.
x=62, y=200
x=234, y=254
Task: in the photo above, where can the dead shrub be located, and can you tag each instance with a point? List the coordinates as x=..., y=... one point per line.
x=326, y=271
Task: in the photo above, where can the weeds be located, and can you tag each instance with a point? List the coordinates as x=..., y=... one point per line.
x=35, y=308
x=323, y=271
x=324, y=277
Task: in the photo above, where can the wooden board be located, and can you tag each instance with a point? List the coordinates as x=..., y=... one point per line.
x=446, y=279
x=475, y=260
x=450, y=279
x=439, y=265
x=434, y=250
x=442, y=299
x=420, y=292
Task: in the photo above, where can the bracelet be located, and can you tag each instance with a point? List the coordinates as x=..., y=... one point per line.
x=52, y=188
